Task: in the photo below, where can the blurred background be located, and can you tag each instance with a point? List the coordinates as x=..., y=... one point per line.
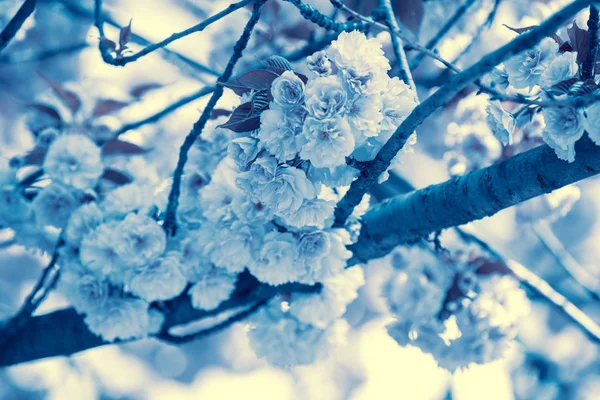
x=556, y=237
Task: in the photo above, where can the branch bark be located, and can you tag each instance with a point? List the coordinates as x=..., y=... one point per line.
x=16, y=23
x=458, y=82
x=64, y=332
x=480, y=194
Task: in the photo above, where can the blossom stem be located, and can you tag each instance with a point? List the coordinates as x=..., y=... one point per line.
x=170, y=224
x=16, y=23
x=107, y=53
x=315, y=16
x=433, y=42
x=587, y=69
x=403, y=67
x=458, y=82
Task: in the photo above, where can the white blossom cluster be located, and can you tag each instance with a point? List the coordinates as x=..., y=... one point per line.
x=449, y=311
x=267, y=205
x=547, y=73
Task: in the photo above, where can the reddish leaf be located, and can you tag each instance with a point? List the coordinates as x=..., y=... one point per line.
x=116, y=146
x=258, y=79
x=71, y=100
x=34, y=157
x=116, y=177
x=109, y=43
x=125, y=35
x=579, y=39
x=48, y=111
x=140, y=90
x=554, y=36
x=243, y=119
x=219, y=112
x=410, y=13
x=104, y=107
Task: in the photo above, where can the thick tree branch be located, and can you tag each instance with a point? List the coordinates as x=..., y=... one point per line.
x=107, y=53
x=64, y=332
x=170, y=223
x=369, y=175
x=16, y=23
x=482, y=193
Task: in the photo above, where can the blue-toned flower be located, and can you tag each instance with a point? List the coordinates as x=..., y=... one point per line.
x=74, y=160
x=277, y=262
x=212, y=289
x=562, y=68
x=501, y=122
x=278, y=133
x=243, y=151
x=138, y=240
x=158, y=280
x=288, y=90
x=319, y=63
x=591, y=122
x=526, y=68
x=564, y=127
x=325, y=97
x=326, y=143
x=54, y=205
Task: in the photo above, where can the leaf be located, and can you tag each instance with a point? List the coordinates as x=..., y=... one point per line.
x=34, y=157
x=410, y=13
x=579, y=39
x=219, y=112
x=125, y=35
x=104, y=107
x=243, y=119
x=258, y=79
x=562, y=87
x=69, y=98
x=583, y=88
x=554, y=36
x=279, y=62
x=140, y=90
x=48, y=111
x=116, y=146
x=260, y=101
x=116, y=177
x=108, y=43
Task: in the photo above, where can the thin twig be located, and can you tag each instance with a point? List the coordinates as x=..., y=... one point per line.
x=16, y=23
x=44, y=285
x=166, y=111
x=107, y=52
x=433, y=42
x=176, y=58
x=392, y=23
x=170, y=224
x=541, y=287
x=582, y=276
x=587, y=69
x=168, y=337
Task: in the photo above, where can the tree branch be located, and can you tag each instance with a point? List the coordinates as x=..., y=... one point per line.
x=170, y=223
x=587, y=69
x=377, y=166
x=16, y=23
x=107, y=53
x=64, y=332
x=392, y=23
x=477, y=195
x=460, y=12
